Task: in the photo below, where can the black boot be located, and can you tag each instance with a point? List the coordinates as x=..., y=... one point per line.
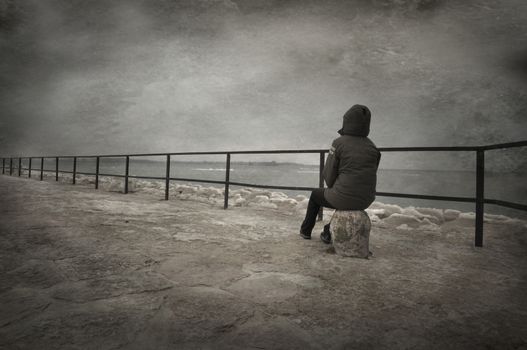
x=305, y=235
x=325, y=236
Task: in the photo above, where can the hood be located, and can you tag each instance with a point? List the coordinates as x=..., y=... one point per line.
x=356, y=121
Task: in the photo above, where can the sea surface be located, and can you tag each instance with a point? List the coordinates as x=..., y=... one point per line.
x=504, y=186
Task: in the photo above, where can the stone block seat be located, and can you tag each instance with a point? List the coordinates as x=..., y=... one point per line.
x=350, y=233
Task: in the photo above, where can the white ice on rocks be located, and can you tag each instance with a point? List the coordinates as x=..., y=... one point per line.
x=386, y=215
x=451, y=214
x=385, y=210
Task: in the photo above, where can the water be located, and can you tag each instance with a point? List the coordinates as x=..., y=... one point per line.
x=509, y=186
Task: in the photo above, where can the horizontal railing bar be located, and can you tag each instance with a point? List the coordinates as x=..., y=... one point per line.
x=506, y=204
x=110, y=175
x=251, y=152
x=382, y=149
x=146, y=177
x=197, y=180
x=78, y=172
x=181, y=154
x=429, y=149
x=420, y=196
x=275, y=187
x=47, y=170
x=505, y=145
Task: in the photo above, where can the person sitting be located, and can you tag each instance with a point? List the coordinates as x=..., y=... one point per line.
x=350, y=172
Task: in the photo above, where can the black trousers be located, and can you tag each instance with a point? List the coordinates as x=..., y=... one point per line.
x=316, y=200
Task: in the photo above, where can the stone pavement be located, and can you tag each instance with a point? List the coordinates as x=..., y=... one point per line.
x=87, y=269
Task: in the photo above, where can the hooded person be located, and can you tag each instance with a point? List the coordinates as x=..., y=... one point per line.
x=350, y=171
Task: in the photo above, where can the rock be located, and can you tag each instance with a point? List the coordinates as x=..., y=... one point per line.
x=244, y=192
x=300, y=198
x=466, y=219
x=419, y=214
x=239, y=201
x=209, y=192
x=302, y=204
x=114, y=185
x=428, y=225
x=437, y=213
x=258, y=194
x=284, y=203
x=399, y=219
x=380, y=213
x=350, y=232
x=451, y=214
x=185, y=189
x=374, y=219
x=279, y=195
x=261, y=199
x=495, y=218
x=262, y=204
x=389, y=209
x=412, y=212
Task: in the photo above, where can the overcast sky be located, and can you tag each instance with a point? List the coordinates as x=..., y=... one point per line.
x=99, y=77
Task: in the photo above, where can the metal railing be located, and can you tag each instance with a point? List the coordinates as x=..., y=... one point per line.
x=479, y=198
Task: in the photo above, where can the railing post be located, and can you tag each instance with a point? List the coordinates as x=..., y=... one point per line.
x=97, y=173
x=30, y=165
x=56, y=168
x=19, y=166
x=126, y=174
x=227, y=179
x=74, y=169
x=41, y=168
x=480, y=196
x=321, y=183
x=167, y=178
x=10, y=166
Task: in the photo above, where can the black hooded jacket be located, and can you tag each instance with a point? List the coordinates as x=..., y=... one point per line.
x=351, y=167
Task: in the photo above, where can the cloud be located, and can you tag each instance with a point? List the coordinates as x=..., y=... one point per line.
x=151, y=76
